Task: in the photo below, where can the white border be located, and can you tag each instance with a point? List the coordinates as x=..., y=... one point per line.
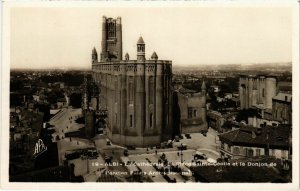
x=5, y=77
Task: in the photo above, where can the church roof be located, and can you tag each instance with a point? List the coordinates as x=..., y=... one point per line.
x=141, y=40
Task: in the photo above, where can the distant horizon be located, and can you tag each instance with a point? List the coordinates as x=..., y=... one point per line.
x=174, y=66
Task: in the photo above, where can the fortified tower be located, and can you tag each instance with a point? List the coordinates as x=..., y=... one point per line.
x=257, y=90
x=137, y=94
x=111, y=39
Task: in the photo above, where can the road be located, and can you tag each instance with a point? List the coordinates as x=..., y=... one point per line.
x=64, y=122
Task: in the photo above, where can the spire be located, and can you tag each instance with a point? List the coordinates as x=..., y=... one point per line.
x=141, y=50
x=203, y=87
x=140, y=41
x=94, y=51
x=154, y=56
x=126, y=56
x=94, y=55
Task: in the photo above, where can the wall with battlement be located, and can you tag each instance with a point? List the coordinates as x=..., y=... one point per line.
x=138, y=98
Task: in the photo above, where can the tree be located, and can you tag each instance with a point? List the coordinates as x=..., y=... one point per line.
x=75, y=100
x=244, y=114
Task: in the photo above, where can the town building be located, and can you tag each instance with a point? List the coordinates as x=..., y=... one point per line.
x=192, y=110
x=215, y=120
x=257, y=90
x=263, y=94
x=282, y=108
x=136, y=93
x=249, y=141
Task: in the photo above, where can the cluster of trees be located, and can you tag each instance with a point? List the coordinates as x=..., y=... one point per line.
x=70, y=79
x=245, y=113
x=75, y=100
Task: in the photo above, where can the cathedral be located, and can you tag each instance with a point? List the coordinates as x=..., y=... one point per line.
x=136, y=93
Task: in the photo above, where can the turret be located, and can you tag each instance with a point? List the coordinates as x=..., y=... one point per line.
x=94, y=55
x=154, y=56
x=140, y=50
x=126, y=56
x=119, y=38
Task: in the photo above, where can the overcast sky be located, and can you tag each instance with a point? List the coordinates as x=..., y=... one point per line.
x=64, y=37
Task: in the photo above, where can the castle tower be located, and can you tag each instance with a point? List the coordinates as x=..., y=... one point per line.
x=94, y=55
x=141, y=50
x=111, y=39
x=270, y=92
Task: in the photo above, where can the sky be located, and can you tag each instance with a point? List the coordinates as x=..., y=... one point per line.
x=60, y=37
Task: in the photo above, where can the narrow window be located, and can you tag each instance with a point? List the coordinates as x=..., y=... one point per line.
x=195, y=113
x=130, y=121
x=151, y=120
x=190, y=112
x=131, y=90
x=151, y=90
x=263, y=92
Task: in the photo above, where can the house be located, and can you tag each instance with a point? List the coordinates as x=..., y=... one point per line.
x=249, y=141
x=61, y=102
x=215, y=120
x=192, y=110
x=282, y=108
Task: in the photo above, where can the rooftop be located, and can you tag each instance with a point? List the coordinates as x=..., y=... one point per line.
x=226, y=173
x=141, y=40
x=283, y=97
x=275, y=137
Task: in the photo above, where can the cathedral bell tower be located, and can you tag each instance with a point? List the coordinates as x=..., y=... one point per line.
x=141, y=50
x=111, y=39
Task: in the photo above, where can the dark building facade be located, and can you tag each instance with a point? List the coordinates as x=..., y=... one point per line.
x=257, y=91
x=282, y=108
x=193, y=110
x=136, y=93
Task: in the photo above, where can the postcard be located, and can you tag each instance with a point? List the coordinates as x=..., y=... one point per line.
x=177, y=95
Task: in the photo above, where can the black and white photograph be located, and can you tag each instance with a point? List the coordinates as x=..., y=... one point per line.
x=150, y=93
